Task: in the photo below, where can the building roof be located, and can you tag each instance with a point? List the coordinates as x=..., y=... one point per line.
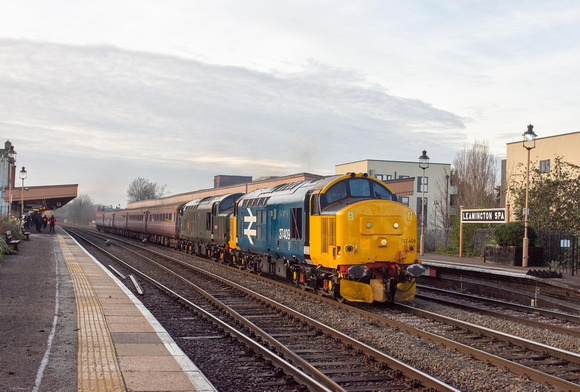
x=239, y=188
x=388, y=161
x=547, y=137
x=49, y=197
x=403, y=186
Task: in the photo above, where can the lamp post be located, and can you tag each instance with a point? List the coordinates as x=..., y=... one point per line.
x=423, y=164
x=528, y=143
x=22, y=176
x=11, y=161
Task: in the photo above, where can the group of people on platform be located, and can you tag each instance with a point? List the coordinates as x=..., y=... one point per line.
x=39, y=222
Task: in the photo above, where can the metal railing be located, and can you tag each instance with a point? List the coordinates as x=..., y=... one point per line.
x=561, y=251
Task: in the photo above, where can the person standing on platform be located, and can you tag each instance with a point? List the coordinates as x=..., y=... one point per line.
x=38, y=223
x=44, y=221
x=27, y=221
x=52, y=222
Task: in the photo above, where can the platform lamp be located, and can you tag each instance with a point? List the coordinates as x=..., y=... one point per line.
x=22, y=176
x=423, y=164
x=528, y=143
x=11, y=162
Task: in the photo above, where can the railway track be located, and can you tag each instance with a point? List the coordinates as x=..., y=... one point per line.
x=542, y=318
x=310, y=352
x=558, y=380
x=543, y=363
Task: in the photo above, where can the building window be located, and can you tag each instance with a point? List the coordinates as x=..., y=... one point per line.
x=454, y=200
x=384, y=177
x=404, y=200
x=545, y=166
x=420, y=184
x=420, y=210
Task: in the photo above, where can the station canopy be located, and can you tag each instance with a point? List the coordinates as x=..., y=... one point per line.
x=39, y=198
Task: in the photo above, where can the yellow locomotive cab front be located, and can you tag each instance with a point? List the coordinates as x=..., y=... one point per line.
x=374, y=243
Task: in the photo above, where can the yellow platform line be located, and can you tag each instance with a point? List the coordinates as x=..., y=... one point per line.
x=98, y=368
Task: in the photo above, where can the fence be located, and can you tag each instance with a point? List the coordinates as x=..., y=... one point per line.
x=560, y=250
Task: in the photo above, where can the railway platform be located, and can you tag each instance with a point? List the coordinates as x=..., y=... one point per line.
x=68, y=324
x=544, y=291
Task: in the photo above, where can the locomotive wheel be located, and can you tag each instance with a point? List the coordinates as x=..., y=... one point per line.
x=296, y=278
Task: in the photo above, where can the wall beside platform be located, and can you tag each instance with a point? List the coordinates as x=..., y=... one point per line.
x=512, y=255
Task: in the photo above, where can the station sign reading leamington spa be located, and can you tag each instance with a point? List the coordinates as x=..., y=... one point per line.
x=492, y=215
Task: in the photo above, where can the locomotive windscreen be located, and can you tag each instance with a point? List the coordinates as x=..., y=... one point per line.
x=355, y=188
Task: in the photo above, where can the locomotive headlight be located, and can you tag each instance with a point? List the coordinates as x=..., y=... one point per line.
x=382, y=242
x=396, y=225
x=369, y=225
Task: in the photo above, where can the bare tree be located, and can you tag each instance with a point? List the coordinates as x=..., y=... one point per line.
x=441, y=204
x=475, y=176
x=80, y=211
x=142, y=189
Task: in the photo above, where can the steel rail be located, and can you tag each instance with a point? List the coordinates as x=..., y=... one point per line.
x=534, y=374
x=544, y=312
x=522, y=320
x=553, y=351
x=410, y=372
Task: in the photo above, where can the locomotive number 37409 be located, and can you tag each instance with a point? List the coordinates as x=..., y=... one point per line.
x=284, y=234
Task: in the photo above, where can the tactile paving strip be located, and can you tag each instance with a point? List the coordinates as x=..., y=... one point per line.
x=98, y=369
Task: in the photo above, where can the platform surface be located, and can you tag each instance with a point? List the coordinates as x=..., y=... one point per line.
x=66, y=324
x=569, y=281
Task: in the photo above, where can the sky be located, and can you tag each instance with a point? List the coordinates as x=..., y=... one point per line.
x=176, y=92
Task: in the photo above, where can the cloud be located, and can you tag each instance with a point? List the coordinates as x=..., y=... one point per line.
x=104, y=103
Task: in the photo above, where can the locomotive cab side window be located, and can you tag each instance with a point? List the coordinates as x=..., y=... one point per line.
x=296, y=223
x=336, y=193
x=381, y=192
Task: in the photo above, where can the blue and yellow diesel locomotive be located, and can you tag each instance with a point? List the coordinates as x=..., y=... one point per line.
x=345, y=237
